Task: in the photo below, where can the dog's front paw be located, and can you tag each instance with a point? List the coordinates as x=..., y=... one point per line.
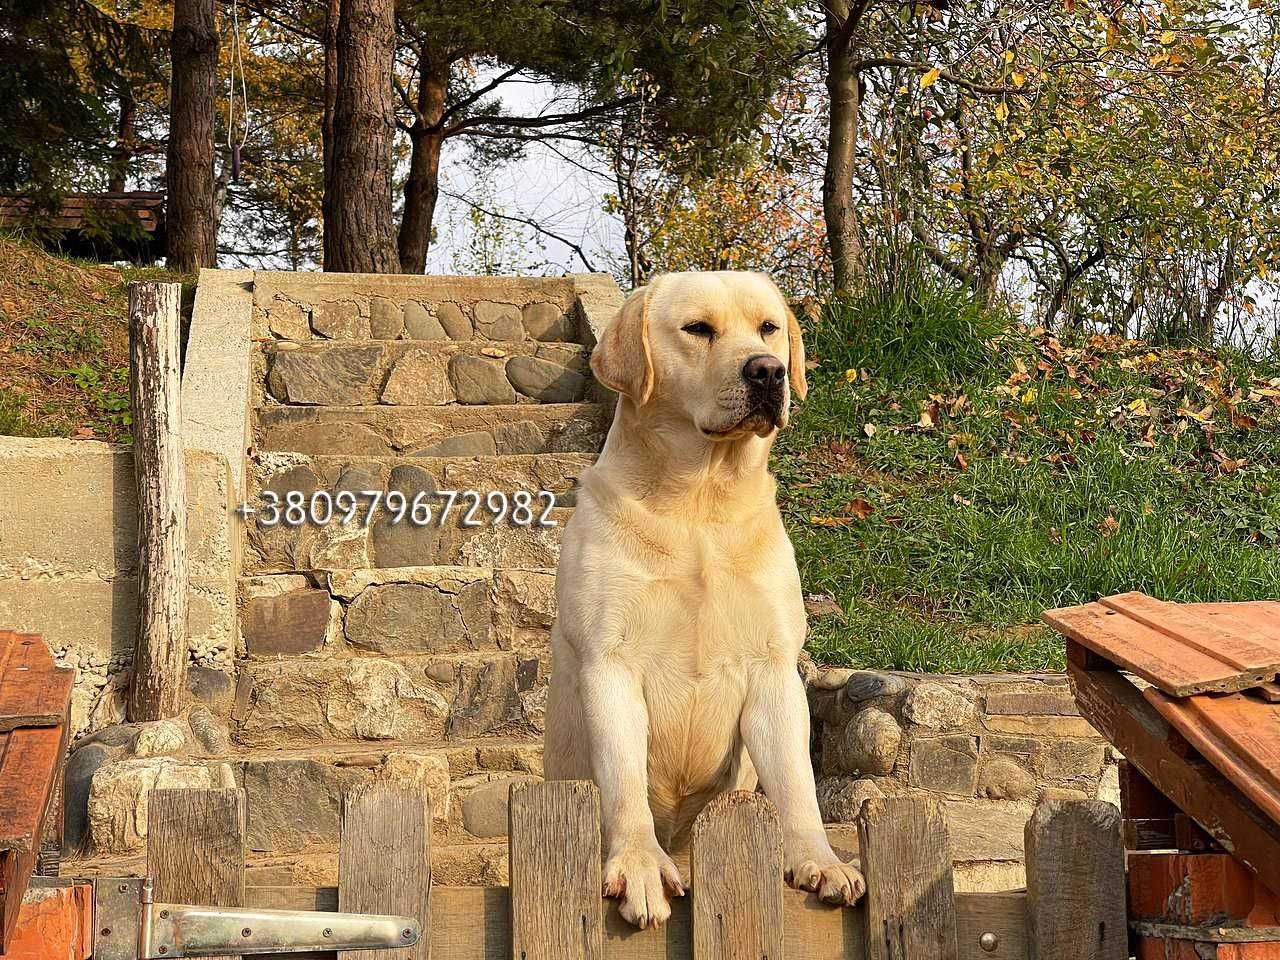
x=841, y=884
x=642, y=878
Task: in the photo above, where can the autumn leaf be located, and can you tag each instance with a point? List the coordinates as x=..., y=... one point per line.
x=1109, y=526
x=1002, y=111
x=930, y=78
x=831, y=521
x=859, y=508
x=869, y=429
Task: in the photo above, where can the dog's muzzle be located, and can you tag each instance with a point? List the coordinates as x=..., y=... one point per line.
x=766, y=380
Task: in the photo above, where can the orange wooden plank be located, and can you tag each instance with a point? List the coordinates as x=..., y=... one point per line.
x=1238, y=735
x=1157, y=658
x=1198, y=888
x=34, y=691
x=31, y=758
x=1224, y=637
x=54, y=923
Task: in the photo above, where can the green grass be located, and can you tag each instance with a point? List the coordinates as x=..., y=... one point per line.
x=1067, y=472
x=64, y=344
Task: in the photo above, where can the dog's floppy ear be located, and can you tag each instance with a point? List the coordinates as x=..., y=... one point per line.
x=621, y=360
x=795, y=357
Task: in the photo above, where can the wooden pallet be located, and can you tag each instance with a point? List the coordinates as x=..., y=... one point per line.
x=35, y=703
x=1183, y=650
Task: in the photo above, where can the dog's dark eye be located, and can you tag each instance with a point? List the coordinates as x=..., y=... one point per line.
x=768, y=327
x=700, y=329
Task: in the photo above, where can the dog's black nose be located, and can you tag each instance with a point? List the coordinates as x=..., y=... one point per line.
x=763, y=370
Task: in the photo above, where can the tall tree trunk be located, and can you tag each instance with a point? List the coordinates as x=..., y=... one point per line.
x=334, y=10
x=358, y=233
x=422, y=189
x=190, y=225
x=842, y=147
x=126, y=141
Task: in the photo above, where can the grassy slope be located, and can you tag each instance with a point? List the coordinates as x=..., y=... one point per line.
x=64, y=345
x=1049, y=474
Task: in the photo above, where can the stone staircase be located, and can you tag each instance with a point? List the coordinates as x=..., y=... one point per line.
x=382, y=649
x=392, y=649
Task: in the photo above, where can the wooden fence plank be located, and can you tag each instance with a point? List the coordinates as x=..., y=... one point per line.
x=555, y=871
x=160, y=657
x=474, y=923
x=384, y=862
x=1075, y=881
x=195, y=846
x=906, y=855
x=736, y=878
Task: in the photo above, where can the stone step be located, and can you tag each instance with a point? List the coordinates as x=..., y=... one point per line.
x=380, y=431
x=293, y=797
x=455, y=613
x=529, y=540
x=333, y=307
x=429, y=373
x=401, y=700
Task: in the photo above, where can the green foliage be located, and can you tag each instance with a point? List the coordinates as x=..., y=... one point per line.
x=14, y=419
x=908, y=325
x=64, y=61
x=945, y=511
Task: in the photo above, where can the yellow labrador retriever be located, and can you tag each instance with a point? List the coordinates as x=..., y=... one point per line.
x=680, y=615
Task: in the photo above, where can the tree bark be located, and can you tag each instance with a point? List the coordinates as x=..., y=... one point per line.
x=358, y=233
x=334, y=10
x=189, y=218
x=842, y=147
x=422, y=189
x=126, y=141
x=158, y=682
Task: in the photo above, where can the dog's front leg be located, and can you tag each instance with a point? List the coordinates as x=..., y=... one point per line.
x=775, y=728
x=637, y=871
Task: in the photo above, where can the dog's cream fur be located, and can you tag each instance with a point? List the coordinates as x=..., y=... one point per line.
x=680, y=614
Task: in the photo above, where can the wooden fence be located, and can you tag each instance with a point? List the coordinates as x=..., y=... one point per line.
x=737, y=908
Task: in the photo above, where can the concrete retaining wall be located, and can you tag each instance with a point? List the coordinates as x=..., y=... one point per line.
x=69, y=562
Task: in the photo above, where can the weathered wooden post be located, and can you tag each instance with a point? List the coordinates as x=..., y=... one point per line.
x=1075, y=882
x=160, y=654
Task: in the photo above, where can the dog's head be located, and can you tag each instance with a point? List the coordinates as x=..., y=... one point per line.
x=719, y=349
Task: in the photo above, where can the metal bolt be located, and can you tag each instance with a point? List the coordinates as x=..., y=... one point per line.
x=407, y=934
x=326, y=932
x=246, y=932
x=123, y=888
x=164, y=914
x=163, y=950
x=989, y=942
x=106, y=931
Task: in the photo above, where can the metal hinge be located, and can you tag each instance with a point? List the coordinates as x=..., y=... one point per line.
x=128, y=925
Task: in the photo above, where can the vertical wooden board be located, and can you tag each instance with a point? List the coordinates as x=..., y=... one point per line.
x=384, y=862
x=906, y=856
x=195, y=846
x=1075, y=881
x=554, y=837
x=736, y=878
